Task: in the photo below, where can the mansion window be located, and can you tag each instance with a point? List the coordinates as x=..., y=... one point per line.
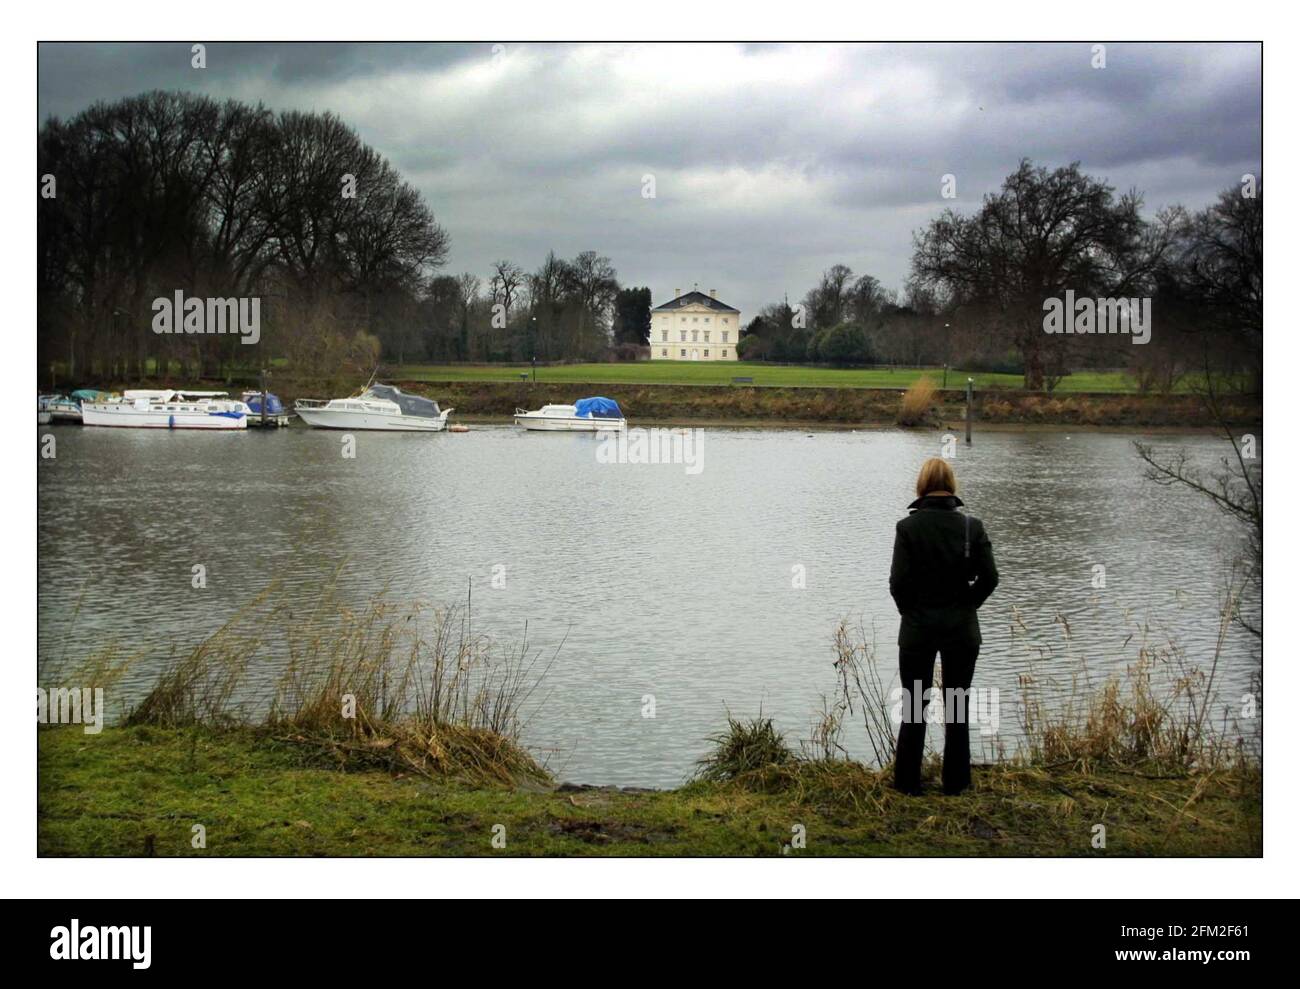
x=706, y=336
x=695, y=336
x=683, y=353
x=724, y=336
x=724, y=353
x=706, y=353
x=665, y=351
x=683, y=336
x=665, y=336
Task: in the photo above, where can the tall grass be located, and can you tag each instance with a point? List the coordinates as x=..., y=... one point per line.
x=401, y=685
x=1155, y=717
x=745, y=747
x=1156, y=714
x=914, y=409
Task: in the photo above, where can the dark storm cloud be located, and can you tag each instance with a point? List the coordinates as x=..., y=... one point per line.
x=771, y=162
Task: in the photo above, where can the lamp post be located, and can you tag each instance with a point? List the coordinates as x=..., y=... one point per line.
x=970, y=386
x=947, y=352
x=533, y=322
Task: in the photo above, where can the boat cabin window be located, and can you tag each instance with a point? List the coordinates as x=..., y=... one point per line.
x=411, y=405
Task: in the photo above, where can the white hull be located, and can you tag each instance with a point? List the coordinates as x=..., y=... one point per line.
x=42, y=418
x=129, y=416
x=345, y=419
x=568, y=424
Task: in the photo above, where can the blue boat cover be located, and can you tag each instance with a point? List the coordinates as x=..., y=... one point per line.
x=599, y=408
x=274, y=406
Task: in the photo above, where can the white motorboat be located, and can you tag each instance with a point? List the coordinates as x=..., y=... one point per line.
x=59, y=408
x=378, y=407
x=167, y=409
x=585, y=416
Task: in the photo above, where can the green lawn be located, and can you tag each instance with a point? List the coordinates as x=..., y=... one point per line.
x=721, y=373
x=137, y=791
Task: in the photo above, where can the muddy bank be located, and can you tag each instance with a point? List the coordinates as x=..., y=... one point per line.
x=842, y=406
x=730, y=405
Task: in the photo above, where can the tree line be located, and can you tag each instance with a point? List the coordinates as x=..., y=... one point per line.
x=145, y=196
x=978, y=283
x=172, y=191
x=162, y=192
x=567, y=309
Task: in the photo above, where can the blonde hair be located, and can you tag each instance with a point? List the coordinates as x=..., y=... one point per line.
x=936, y=475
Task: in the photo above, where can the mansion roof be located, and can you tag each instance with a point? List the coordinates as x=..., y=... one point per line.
x=695, y=299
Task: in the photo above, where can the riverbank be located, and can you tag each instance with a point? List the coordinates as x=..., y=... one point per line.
x=695, y=404
x=142, y=790
x=651, y=403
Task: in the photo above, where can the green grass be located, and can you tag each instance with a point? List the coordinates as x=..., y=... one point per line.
x=721, y=373
x=131, y=789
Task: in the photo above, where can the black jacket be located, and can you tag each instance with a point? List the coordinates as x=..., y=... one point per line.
x=936, y=581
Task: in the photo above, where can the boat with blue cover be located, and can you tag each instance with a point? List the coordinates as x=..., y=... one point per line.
x=586, y=415
x=276, y=413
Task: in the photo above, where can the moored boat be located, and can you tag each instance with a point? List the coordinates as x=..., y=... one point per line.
x=583, y=416
x=167, y=409
x=276, y=413
x=60, y=408
x=382, y=407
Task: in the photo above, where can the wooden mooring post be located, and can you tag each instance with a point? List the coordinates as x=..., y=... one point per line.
x=970, y=387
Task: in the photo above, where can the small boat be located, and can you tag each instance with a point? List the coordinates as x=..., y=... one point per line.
x=60, y=408
x=167, y=409
x=276, y=414
x=378, y=407
x=43, y=414
x=583, y=416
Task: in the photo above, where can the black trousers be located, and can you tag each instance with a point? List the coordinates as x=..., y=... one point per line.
x=916, y=669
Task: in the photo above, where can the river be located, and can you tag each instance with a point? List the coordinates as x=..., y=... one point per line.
x=697, y=590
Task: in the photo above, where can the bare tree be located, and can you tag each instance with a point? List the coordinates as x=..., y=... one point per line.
x=506, y=284
x=1042, y=234
x=1235, y=487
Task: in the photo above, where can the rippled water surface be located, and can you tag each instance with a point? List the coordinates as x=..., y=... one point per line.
x=658, y=582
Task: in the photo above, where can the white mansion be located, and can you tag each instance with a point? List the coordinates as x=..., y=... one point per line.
x=694, y=327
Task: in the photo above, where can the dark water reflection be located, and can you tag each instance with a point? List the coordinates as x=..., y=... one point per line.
x=659, y=582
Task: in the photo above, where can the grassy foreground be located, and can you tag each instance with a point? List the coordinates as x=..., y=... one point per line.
x=137, y=791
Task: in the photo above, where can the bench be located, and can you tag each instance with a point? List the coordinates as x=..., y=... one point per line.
x=523, y=376
x=742, y=381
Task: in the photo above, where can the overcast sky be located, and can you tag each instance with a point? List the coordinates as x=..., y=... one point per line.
x=770, y=162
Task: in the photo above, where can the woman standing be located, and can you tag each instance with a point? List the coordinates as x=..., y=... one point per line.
x=942, y=571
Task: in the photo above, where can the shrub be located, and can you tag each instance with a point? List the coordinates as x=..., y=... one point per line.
x=915, y=407
x=746, y=746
